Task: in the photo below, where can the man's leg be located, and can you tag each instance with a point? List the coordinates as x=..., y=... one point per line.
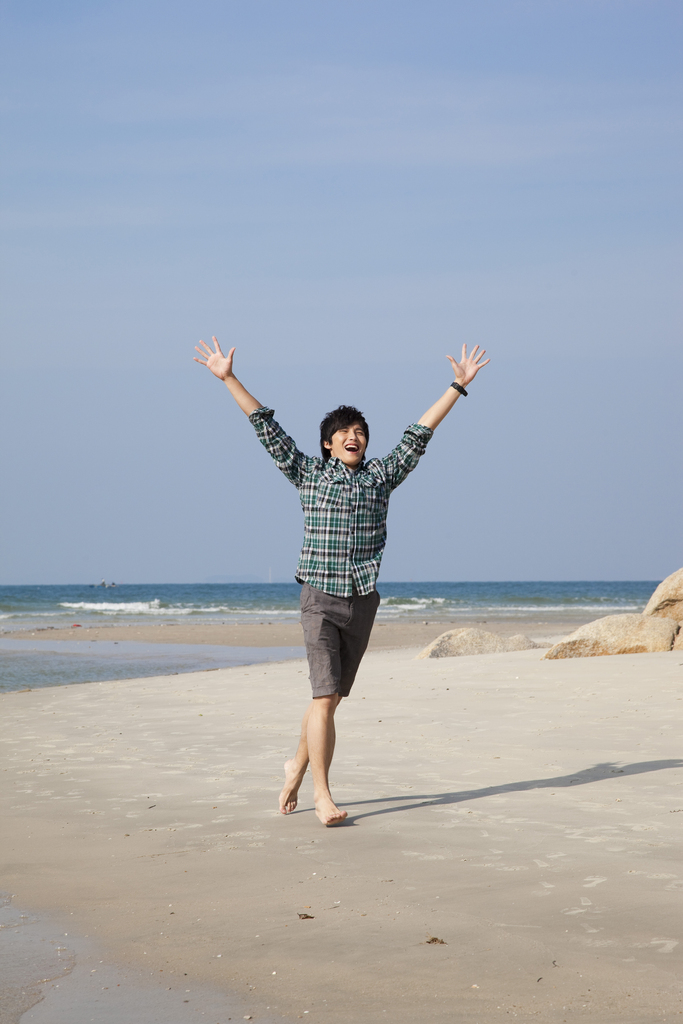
x=295, y=769
x=322, y=616
x=347, y=639
x=321, y=737
x=316, y=746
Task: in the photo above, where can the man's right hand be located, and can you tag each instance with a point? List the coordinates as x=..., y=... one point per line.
x=220, y=365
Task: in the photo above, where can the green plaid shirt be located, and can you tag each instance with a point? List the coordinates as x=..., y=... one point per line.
x=345, y=511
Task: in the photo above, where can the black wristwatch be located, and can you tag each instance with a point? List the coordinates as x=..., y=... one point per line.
x=459, y=387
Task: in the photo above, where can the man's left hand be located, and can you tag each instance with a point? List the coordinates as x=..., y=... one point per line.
x=469, y=366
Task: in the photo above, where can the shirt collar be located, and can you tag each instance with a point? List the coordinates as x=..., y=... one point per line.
x=336, y=470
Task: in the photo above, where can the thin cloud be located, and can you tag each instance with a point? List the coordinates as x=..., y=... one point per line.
x=335, y=116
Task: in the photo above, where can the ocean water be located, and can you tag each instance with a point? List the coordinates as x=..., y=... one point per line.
x=31, y=664
x=41, y=607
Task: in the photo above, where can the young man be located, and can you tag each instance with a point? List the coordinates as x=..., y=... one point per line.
x=345, y=510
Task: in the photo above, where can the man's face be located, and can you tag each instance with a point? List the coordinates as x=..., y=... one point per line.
x=348, y=444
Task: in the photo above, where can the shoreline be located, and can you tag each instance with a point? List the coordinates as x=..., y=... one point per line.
x=45, y=657
x=53, y=975
x=393, y=635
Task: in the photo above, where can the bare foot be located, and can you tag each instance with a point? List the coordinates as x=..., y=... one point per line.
x=290, y=791
x=328, y=812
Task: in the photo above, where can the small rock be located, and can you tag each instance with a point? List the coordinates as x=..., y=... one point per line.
x=667, y=600
x=458, y=642
x=519, y=642
x=617, y=634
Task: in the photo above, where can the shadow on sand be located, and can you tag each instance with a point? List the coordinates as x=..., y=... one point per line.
x=597, y=773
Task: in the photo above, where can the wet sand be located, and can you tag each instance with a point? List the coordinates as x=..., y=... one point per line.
x=385, y=635
x=513, y=845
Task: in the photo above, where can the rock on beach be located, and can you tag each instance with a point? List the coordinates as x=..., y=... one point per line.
x=458, y=642
x=617, y=634
x=667, y=600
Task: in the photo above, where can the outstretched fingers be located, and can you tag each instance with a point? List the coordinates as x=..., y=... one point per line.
x=470, y=364
x=204, y=351
x=219, y=364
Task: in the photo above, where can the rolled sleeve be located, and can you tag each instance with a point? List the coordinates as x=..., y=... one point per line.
x=281, y=448
x=261, y=415
x=407, y=453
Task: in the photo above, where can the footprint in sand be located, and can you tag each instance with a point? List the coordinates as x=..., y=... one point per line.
x=667, y=945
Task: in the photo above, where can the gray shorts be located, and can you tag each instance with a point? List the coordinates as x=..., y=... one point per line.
x=336, y=634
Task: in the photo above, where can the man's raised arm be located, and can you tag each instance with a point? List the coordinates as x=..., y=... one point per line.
x=221, y=367
x=465, y=371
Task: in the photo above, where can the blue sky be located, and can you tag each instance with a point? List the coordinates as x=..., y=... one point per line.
x=346, y=191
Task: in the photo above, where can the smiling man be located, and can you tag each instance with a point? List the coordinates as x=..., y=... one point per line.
x=344, y=499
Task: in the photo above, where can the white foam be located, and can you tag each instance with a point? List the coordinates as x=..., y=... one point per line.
x=155, y=608
x=29, y=615
x=119, y=607
x=500, y=611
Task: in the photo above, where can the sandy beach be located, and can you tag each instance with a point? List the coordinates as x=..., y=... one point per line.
x=512, y=848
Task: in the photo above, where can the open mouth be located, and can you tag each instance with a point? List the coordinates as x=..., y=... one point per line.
x=352, y=447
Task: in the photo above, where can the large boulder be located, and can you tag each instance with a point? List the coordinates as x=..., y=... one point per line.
x=457, y=642
x=667, y=600
x=617, y=634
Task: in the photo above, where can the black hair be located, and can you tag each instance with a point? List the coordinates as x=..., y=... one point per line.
x=343, y=416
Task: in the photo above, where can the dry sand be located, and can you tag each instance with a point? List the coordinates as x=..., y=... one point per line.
x=525, y=813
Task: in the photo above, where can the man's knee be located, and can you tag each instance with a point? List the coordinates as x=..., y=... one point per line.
x=328, y=702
